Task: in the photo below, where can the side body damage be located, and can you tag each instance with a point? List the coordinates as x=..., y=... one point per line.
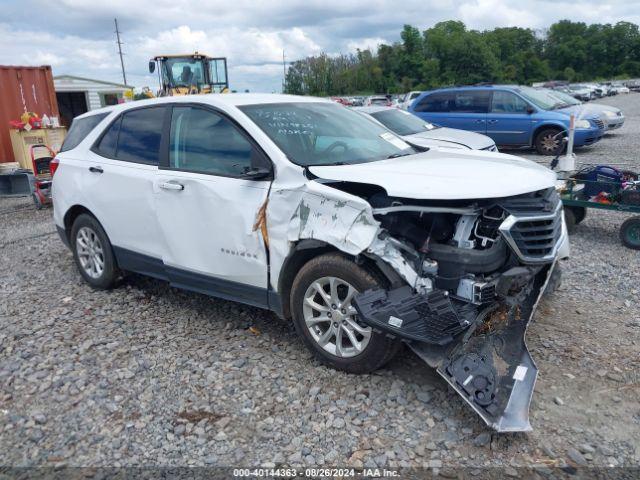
x=472, y=272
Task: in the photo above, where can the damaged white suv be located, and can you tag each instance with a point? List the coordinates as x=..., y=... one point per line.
x=303, y=207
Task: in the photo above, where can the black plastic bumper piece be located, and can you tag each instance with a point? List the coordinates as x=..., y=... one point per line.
x=402, y=313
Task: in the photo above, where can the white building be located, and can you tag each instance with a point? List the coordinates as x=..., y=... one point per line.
x=77, y=95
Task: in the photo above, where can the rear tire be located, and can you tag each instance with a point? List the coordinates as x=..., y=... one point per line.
x=570, y=219
x=370, y=350
x=549, y=141
x=580, y=213
x=93, y=253
x=630, y=233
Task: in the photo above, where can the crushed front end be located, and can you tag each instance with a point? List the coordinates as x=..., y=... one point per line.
x=470, y=274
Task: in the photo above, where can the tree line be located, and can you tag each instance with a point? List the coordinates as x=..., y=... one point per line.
x=450, y=54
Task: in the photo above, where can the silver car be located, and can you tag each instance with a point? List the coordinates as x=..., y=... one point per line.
x=416, y=131
x=612, y=116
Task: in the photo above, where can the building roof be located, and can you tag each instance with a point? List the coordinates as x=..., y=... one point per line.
x=84, y=79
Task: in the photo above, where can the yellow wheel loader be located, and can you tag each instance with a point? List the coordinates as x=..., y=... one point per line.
x=190, y=74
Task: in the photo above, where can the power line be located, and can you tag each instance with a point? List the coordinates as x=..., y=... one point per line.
x=124, y=75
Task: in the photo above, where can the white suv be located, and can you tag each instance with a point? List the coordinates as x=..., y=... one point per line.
x=306, y=208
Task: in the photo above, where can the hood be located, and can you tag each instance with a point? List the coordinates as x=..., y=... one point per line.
x=587, y=111
x=604, y=108
x=445, y=174
x=472, y=140
x=433, y=143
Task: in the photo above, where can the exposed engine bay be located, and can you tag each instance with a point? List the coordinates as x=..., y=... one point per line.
x=471, y=274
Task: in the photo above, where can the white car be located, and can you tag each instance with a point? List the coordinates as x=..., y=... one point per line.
x=612, y=117
x=416, y=131
x=306, y=208
x=408, y=99
x=378, y=100
x=619, y=89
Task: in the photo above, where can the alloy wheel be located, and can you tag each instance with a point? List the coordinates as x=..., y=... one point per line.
x=332, y=319
x=90, y=252
x=550, y=143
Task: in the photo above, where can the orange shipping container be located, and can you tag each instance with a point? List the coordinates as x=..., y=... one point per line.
x=23, y=89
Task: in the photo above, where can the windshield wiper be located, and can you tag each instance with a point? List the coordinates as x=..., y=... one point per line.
x=396, y=155
x=332, y=164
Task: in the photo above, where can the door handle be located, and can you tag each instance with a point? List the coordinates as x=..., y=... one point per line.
x=492, y=121
x=171, y=186
x=96, y=169
x=479, y=120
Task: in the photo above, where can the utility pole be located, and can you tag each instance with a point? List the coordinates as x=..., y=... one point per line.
x=284, y=72
x=124, y=75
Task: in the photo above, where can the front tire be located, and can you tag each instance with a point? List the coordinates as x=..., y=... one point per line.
x=549, y=141
x=92, y=252
x=327, y=321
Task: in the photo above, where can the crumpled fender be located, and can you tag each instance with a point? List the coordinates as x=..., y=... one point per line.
x=316, y=211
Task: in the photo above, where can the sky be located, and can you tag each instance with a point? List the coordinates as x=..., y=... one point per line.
x=76, y=37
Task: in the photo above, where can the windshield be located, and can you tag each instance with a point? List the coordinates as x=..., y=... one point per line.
x=565, y=97
x=325, y=133
x=184, y=72
x=540, y=98
x=402, y=122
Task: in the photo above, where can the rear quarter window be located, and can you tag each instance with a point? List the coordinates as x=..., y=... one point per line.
x=80, y=128
x=435, y=102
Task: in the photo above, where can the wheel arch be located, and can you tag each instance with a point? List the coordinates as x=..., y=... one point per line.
x=308, y=249
x=545, y=126
x=74, y=212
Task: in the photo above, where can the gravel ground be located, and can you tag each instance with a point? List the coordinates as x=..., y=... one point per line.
x=147, y=375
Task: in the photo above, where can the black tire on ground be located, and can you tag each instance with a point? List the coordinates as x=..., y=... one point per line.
x=110, y=271
x=380, y=348
x=549, y=141
x=570, y=219
x=580, y=213
x=630, y=233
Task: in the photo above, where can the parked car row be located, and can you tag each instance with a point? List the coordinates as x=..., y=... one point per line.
x=509, y=116
x=513, y=116
x=589, y=91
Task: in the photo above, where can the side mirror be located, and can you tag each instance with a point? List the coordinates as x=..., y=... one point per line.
x=531, y=110
x=256, y=173
x=152, y=66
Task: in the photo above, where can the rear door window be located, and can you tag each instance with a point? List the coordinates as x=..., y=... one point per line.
x=107, y=145
x=470, y=101
x=80, y=128
x=140, y=134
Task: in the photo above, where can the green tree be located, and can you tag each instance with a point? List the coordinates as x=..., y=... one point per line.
x=450, y=54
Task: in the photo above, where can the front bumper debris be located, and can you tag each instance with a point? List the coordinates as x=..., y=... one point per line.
x=480, y=351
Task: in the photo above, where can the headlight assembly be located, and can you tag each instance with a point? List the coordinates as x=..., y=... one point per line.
x=583, y=124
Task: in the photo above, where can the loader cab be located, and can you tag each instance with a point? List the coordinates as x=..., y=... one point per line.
x=190, y=74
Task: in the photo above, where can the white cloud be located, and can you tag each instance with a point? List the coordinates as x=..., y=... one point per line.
x=365, y=43
x=483, y=14
x=78, y=35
